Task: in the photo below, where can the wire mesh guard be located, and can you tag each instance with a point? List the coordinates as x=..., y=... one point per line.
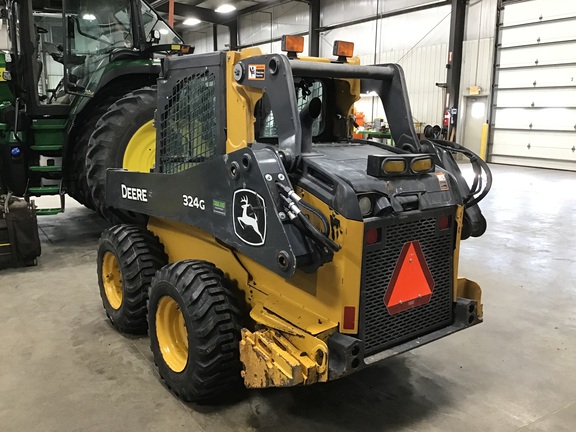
x=188, y=124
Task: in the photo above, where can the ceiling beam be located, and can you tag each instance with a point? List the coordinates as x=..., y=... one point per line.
x=208, y=15
x=202, y=14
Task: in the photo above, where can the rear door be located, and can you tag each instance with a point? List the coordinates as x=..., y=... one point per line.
x=534, y=107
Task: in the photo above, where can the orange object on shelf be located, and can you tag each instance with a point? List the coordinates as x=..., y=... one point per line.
x=360, y=122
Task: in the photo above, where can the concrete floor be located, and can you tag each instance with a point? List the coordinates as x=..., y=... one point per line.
x=64, y=368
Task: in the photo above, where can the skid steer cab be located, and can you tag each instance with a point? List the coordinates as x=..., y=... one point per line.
x=279, y=251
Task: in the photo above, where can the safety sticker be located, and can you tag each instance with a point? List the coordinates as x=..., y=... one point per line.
x=257, y=72
x=219, y=207
x=442, y=181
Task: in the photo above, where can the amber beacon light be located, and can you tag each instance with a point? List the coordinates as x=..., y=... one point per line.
x=292, y=44
x=343, y=49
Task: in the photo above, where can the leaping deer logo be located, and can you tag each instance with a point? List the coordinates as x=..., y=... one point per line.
x=245, y=220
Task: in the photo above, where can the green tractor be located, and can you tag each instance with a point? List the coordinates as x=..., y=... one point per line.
x=77, y=96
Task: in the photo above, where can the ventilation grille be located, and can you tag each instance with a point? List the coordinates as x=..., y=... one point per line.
x=378, y=328
x=188, y=124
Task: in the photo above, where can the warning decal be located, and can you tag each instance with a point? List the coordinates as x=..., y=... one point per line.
x=411, y=284
x=442, y=181
x=257, y=72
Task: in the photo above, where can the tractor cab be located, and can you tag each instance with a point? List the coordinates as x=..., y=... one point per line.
x=59, y=53
x=67, y=63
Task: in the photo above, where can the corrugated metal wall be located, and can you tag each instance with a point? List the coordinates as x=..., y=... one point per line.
x=287, y=18
x=418, y=41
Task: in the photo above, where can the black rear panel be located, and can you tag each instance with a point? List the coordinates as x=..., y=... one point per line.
x=378, y=329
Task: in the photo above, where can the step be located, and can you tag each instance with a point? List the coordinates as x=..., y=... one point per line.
x=51, y=168
x=48, y=211
x=44, y=190
x=49, y=124
x=51, y=148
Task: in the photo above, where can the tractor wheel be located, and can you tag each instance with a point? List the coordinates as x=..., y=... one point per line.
x=128, y=258
x=78, y=187
x=124, y=137
x=194, y=323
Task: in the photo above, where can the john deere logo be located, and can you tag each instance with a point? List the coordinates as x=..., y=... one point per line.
x=249, y=215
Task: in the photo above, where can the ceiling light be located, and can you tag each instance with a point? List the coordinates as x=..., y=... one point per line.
x=225, y=8
x=163, y=31
x=89, y=17
x=191, y=21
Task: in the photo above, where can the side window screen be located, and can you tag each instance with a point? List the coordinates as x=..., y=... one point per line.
x=306, y=92
x=188, y=124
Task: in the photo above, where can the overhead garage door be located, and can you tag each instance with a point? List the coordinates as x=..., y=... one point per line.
x=534, y=105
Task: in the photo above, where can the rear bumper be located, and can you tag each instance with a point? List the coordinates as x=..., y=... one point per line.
x=346, y=353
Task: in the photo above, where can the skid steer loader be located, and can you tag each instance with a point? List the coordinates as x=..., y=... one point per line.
x=278, y=250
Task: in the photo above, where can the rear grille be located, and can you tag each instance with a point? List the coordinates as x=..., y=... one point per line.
x=378, y=328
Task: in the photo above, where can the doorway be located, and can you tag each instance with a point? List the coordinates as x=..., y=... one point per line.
x=475, y=116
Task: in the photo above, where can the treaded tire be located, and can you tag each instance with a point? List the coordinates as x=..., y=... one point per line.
x=108, y=144
x=212, y=318
x=78, y=187
x=139, y=254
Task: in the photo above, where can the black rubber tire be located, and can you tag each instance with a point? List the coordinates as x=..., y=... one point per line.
x=108, y=144
x=140, y=255
x=78, y=187
x=213, y=322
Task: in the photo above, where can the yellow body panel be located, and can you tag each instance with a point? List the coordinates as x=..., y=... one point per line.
x=312, y=302
x=240, y=103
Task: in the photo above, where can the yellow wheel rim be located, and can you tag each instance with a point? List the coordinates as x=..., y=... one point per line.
x=172, y=334
x=140, y=152
x=112, y=279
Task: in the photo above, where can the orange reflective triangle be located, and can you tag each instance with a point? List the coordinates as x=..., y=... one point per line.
x=411, y=284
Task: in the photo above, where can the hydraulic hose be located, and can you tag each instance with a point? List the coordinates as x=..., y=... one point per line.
x=318, y=214
x=304, y=225
x=298, y=200
x=478, y=165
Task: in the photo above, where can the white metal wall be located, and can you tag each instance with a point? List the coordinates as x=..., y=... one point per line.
x=418, y=41
x=263, y=26
x=534, y=109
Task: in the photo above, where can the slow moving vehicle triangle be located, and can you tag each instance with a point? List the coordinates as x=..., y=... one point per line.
x=411, y=284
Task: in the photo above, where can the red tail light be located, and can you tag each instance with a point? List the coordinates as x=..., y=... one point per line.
x=372, y=236
x=349, y=317
x=444, y=222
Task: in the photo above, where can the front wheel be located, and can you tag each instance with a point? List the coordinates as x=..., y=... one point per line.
x=128, y=258
x=124, y=137
x=194, y=323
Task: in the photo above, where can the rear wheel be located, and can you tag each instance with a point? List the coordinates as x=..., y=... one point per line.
x=194, y=323
x=78, y=186
x=128, y=258
x=124, y=137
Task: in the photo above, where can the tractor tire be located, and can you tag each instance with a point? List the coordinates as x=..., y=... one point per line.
x=78, y=187
x=194, y=326
x=128, y=257
x=125, y=130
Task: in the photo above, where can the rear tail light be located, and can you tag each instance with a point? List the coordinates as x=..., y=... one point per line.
x=393, y=166
x=349, y=318
x=373, y=236
x=422, y=165
x=444, y=222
